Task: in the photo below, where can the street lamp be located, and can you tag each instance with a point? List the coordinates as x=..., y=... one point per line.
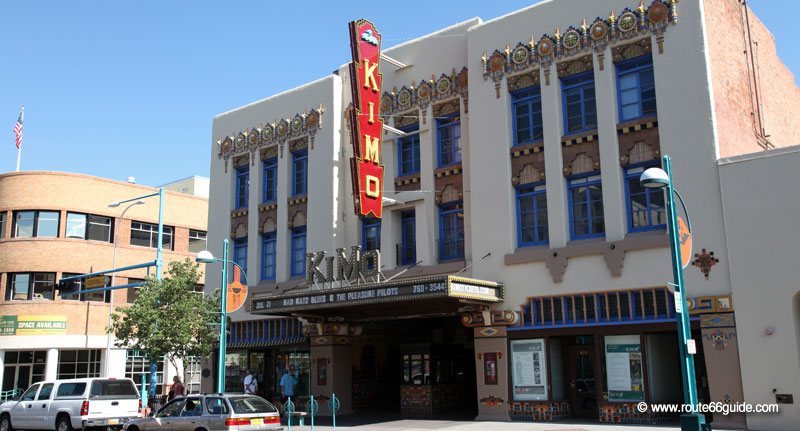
x=657, y=178
x=114, y=274
x=205, y=256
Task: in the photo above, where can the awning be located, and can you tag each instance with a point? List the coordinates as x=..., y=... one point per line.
x=434, y=295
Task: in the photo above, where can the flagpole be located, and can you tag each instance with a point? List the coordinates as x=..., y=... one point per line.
x=19, y=151
x=18, y=132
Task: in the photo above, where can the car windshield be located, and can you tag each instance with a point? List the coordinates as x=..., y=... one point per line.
x=251, y=405
x=113, y=389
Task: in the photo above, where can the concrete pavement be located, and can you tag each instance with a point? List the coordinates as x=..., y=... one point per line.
x=427, y=425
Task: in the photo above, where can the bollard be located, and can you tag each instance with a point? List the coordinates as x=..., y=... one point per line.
x=288, y=409
x=313, y=407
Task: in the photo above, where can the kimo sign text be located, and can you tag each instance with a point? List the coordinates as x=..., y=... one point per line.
x=367, y=133
x=355, y=267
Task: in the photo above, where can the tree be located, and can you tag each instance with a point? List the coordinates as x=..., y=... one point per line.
x=169, y=317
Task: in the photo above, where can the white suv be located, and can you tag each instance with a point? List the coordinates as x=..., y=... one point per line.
x=64, y=405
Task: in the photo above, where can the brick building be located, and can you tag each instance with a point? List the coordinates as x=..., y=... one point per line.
x=54, y=225
x=524, y=269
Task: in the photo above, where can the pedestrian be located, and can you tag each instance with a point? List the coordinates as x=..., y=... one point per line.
x=177, y=387
x=288, y=382
x=250, y=383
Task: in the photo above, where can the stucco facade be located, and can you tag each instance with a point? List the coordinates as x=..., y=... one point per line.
x=57, y=224
x=476, y=72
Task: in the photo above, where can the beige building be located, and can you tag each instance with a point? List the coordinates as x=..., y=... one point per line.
x=54, y=225
x=524, y=272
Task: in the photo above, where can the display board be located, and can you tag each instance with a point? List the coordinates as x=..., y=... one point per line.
x=624, y=368
x=529, y=370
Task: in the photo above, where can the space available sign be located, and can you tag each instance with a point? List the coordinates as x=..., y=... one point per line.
x=367, y=133
x=33, y=325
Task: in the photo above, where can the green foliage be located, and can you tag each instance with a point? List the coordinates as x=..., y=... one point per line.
x=169, y=318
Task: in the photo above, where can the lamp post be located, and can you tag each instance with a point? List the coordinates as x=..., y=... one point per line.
x=205, y=256
x=658, y=178
x=114, y=276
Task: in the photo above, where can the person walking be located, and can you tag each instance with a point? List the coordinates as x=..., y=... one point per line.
x=288, y=383
x=250, y=383
x=177, y=387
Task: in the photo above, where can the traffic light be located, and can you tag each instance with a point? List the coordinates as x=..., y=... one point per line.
x=68, y=287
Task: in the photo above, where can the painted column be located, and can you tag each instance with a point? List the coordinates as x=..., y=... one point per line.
x=282, y=235
x=492, y=373
x=721, y=352
x=253, y=237
x=116, y=364
x=51, y=366
x=610, y=172
x=465, y=182
x=557, y=213
x=2, y=365
x=427, y=213
x=332, y=371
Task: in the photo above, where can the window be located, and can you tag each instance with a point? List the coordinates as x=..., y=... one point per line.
x=417, y=369
x=172, y=409
x=636, y=88
x=77, y=364
x=92, y=296
x=27, y=286
x=371, y=233
x=586, y=207
x=268, y=256
x=527, y=116
x=449, y=137
x=45, y=393
x=451, y=232
x=531, y=214
x=70, y=389
x=88, y=226
x=580, y=112
x=146, y=235
x=191, y=374
x=23, y=368
x=645, y=206
x=30, y=394
x=408, y=237
x=43, y=224
x=408, y=151
x=242, y=186
x=216, y=406
x=197, y=240
x=2, y=224
x=270, y=186
x=299, y=172
x=298, y=251
x=240, y=255
x=137, y=365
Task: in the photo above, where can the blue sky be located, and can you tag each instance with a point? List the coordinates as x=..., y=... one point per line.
x=119, y=89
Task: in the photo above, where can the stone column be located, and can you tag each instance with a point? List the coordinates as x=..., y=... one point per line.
x=282, y=235
x=253, y=237
x=721, y=352
x=2, y=364
x=557, y=211
x=51, y=366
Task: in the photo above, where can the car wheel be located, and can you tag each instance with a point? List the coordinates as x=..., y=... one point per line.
x=63, y=424
x=5, y=424
x=133, y=428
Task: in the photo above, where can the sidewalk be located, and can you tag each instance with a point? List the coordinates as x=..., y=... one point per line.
x=426, y=425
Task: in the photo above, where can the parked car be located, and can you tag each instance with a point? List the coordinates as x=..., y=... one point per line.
x=66, y=405
x=211, y=412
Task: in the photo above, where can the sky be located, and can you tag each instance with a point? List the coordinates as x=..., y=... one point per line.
x=130, y=88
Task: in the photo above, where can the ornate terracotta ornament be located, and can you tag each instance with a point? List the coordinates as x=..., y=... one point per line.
x=705, y=260
x=428, y=91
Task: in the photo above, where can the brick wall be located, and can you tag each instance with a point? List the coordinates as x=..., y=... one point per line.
x=729, y=74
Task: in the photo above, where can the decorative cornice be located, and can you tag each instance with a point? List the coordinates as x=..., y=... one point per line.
x=596, y=36
x=427, y=92
x=271, y=134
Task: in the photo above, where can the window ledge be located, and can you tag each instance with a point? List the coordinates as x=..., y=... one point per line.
x=637, y=124
x=239, y=212
x=579, y=137
x=613, y=252
x=407, y=179
x=448, y=170
x=525, y=149
x=297, y=199
x=266, y=206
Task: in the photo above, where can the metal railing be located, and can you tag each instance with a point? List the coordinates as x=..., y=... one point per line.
x=7, y=395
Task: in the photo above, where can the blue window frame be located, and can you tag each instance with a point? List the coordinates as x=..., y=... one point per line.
x=242, y=186
x=268, y=256
x=407, y=255
x=527, y=118
x=408, y=151
x=532, y=214
x=298, y=251
x=451, y=232
x=370, y=233
x=580, y=111
x=299, y=172
x=448, y=132
x=240, y=255
x=586, y=206
x=645, y=207
x=270, y=181
x=636, y=88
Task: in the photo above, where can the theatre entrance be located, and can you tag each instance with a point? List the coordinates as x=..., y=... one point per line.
x=415, y=368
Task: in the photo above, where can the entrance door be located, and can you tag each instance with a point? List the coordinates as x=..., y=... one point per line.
x=580, y=375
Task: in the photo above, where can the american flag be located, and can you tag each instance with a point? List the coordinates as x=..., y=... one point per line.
x=18, y=128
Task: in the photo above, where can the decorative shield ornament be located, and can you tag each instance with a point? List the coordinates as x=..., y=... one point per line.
x=599, y=30
x=627, y=22
x=443, y=86
x=496, y=62
x=545, y=47
x=658, y=12
x=520, y=55
x=571, y=39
